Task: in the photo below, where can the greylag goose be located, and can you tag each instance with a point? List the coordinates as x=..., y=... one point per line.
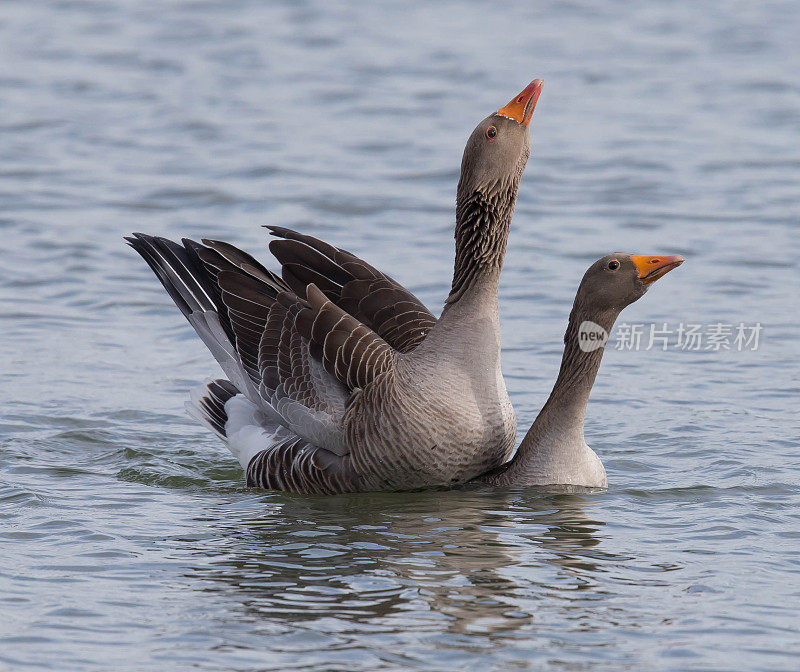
x=554, y=451
x=339, y=379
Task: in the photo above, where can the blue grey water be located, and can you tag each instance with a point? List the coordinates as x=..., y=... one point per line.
x=127, y=538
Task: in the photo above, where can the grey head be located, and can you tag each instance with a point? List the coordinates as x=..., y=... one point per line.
x=617, y=280
x=499, y=147
x=554, y=451
x=494, y=158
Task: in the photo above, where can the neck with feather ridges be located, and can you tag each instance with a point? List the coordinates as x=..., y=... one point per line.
x=469, y=327
x=554, y=450
x=483, y=221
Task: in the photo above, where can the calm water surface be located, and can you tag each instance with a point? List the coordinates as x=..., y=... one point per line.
x=127, y=538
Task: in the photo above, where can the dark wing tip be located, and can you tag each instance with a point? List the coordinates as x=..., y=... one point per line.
x=138, y=241
x=283, y=232
x=279, y=231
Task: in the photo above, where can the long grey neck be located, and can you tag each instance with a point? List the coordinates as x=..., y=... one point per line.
x=483, y=220
x=468, y=331
x=556, y=437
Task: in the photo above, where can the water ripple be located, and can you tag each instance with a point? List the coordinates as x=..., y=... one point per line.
x=130, y=539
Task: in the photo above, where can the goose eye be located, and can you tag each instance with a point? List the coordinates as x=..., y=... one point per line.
x=613, y=265
x=491, y=132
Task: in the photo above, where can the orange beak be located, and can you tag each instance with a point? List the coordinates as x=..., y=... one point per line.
x=652, y=268
x=521, y=107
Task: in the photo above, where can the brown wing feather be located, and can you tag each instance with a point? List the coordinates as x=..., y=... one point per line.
x=350, y=351
x=373, y=298
x=261, y=310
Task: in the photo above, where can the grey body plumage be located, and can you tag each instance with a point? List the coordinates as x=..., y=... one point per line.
x=347, y=381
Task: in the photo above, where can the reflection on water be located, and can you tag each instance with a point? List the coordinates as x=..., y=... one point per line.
x=439, y=552
x=127, y=538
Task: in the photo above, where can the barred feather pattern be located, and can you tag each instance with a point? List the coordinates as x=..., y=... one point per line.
x=294, y=465
x=351, y=352
x=483, y=222
x=339, y=407
x=289, y=463
x=310, y=400
x=209, y=408
x=371, y=297
x=216, y=283
x=405, y=427
x=425, y=439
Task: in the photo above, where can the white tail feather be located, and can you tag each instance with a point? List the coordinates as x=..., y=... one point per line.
x=248, y=430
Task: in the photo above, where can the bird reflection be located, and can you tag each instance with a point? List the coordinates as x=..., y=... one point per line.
x=478, y=558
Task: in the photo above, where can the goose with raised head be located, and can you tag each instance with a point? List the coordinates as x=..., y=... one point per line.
x=339, y=379
x=554, y=451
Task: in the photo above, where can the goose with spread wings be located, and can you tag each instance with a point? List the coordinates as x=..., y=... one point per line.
x=338, y=378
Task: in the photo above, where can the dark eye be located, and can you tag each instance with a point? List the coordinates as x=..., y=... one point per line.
x=613, y=265
x=491, y=132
